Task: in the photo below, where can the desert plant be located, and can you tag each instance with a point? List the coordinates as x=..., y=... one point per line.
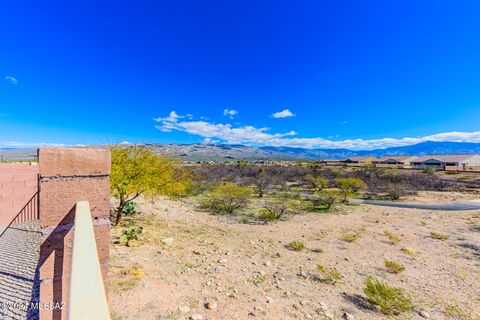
x=438, y=236
x=262, y=183
x=325, y=198
x=430, y=170
x=393, y=267
x=129, y=234
x=130, y=208
x=319, y=235
x=275, y=210
x=138, y=171
x=317, y=182
x=392, y=237
x=296, y=245
x=391, y=300
x=409, y=251
x=244, y=220
x=350, y=236
x=349, y=186
x=226, y=198
x=329, y=275
x=457, y=312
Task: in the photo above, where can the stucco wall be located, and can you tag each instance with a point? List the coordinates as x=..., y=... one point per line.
x=69, y=175
x=18, y=184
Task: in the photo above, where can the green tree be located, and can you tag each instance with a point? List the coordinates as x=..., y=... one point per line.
x=349, y=186
x=139, y=171
x=226, y=198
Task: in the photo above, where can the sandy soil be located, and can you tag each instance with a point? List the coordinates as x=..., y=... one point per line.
x=438, y=197
x=187, y=258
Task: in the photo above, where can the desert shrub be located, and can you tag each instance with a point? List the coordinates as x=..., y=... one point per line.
x=130, y=277
x=451, y=173
x=391, y=300
x=194, y=188
x=296, y=245
x=275, y=210
x=226, y=198
x=262, y=182
x=317, y=182
x=457, y=312
x=395, y=191
x=130, y=208
x=392, y=237
x=409, y=251
x=258, y=280
x=429, y=171
x=329, y=275
x=320, y=234
x=325, y=198
x=393, y=267
x=350, y=236
x=129, y=234
x=349, y=186
x=438, y=236
x=244, y=220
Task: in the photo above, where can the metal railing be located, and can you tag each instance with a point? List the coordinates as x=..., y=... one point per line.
x=29, y=212
x=87, y=299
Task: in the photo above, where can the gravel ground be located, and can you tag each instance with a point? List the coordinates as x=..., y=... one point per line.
x=189, y=264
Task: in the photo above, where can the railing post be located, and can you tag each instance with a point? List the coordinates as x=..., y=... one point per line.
x=69, y=175
x=86, y=283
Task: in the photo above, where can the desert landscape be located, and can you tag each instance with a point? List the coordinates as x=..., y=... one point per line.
x=287, y=254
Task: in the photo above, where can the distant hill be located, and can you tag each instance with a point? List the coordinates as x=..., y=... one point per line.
x=222, y=152
x=194, y=152
x=420, y=149
x=13, y=154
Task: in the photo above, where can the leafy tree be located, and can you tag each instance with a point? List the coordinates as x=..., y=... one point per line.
x=226, y=198
x=139, y=171
x=349, y=186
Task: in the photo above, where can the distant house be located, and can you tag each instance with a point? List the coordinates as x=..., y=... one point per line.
x=443, y=161
x=394, y=161
x=360, y=160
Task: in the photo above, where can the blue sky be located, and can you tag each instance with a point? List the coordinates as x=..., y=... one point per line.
x=356, y=74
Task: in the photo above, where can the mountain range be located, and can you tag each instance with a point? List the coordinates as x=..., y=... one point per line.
x=219, y=152
x=226, y=151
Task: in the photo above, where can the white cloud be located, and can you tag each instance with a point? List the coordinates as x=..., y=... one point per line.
x=344, y=122
x=262, y=136
x=230, y=113
x=168, y=122
x=283, y=114
x=11, y=79
x=17, y=144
